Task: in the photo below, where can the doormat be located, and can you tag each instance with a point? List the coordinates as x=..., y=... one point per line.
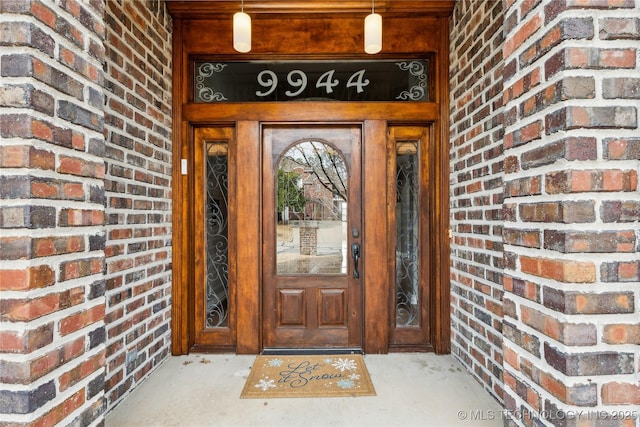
x=342, y=375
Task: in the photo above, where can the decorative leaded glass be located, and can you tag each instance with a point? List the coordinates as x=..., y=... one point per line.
x=407, y=243
x=217, y=220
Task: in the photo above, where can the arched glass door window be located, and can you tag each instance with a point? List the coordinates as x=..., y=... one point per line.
x=311, y=203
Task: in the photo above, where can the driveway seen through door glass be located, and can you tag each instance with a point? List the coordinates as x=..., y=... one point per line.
x=311, y=193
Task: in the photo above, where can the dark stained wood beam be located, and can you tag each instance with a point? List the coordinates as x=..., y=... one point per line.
x=210, y=8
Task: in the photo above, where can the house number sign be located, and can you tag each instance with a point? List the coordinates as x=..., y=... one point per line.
x=388, y=80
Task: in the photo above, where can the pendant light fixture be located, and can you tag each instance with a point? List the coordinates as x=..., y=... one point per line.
x=373, y=32
x=242, y=31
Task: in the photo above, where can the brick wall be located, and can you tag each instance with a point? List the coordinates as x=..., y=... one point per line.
x=138, y=192
x=572, y=207
x=85, y=246
x=52, y=332
x=476, y=133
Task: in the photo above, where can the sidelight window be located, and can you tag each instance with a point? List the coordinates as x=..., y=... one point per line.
x=217, y=231
x=407, y=241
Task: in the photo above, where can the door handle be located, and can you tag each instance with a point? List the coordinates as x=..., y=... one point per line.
x=355, y=253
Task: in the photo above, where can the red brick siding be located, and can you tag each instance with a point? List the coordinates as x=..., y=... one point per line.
x=476, y=132
x=138, y=192
x=571, y=210
x=52, y=331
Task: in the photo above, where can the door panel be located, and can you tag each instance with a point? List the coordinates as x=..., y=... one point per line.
x=332, y=307
x=291, y=306
x=311, y=216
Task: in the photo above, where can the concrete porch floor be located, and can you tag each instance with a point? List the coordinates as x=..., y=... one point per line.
x=413, y=389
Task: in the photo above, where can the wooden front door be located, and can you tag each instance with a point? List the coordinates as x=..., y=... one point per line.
x=312, y=239
x=396, y=155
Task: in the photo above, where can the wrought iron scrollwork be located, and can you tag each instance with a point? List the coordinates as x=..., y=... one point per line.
x=407, y=243
x=217, y=288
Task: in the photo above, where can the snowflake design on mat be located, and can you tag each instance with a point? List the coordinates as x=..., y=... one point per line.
x=345, y=365
x=354, y=376
x=265, y=385
x=275, y=362
x=345, y=384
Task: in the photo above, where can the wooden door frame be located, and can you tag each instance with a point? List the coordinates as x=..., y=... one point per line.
x=375, y=117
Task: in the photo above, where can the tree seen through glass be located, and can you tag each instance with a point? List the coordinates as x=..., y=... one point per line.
x=311, y=203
